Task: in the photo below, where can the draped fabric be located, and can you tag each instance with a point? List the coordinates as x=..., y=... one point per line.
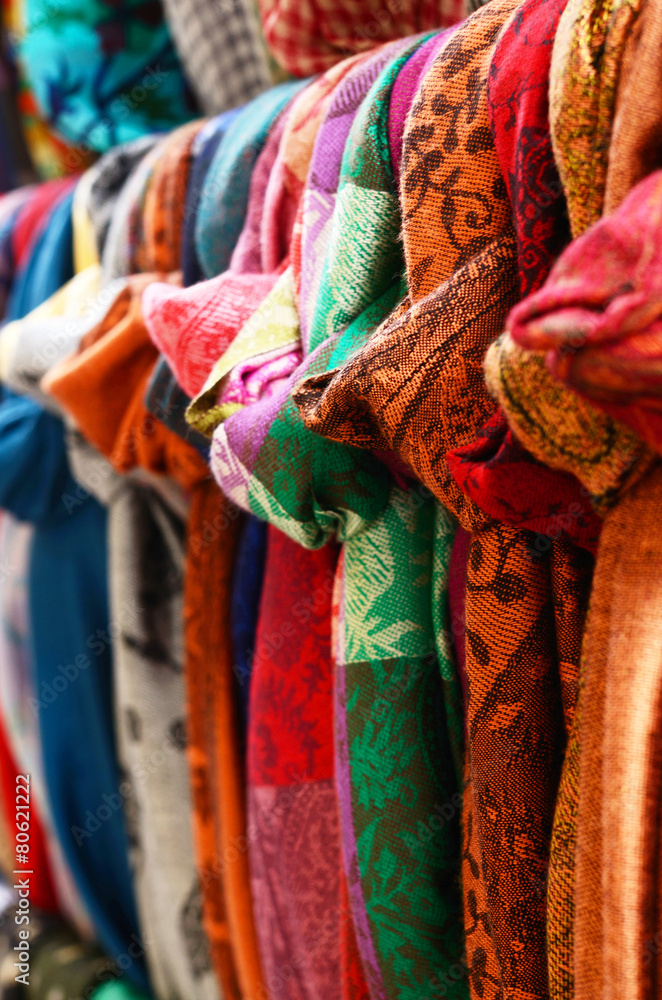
x=611, y=462
x=147, y=510
x=417, y=387
x=309, y=37
x=66, y=622
x=319, y=499
x=103, y=74
x=222, y=50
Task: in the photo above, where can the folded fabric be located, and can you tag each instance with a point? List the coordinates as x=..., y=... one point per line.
x=44, y=492
x=203, y=150
x=146, y=533
x=393, y=403
x=166, y=400
x=601, y=335
x=117, y=423
x=496, y=471
x=417, y=387
x=332, y=491
x=108, y=176
x=30, y=346
x=103, y=76
x=311, y=511
x=226, y=187
x=309, y=37
x=195, y=327
x=222, y=49
x=118, y=257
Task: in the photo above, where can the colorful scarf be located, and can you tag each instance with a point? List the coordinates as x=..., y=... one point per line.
x=10, y=208
x=568, y=433
x=226, y=187
x=118, y=257
x=203, y=150
x=194, y=327
x=147, y=514
x=309, y=37
x=601, y=335
x=596, y=317
x=62, y=621
x=293, y=817
x=201, y=316
x=457, y=205
x=103, y=75
x=146, y=542
x=343, y=493
x=222, y=49
x=108, y=177
x=586, y=63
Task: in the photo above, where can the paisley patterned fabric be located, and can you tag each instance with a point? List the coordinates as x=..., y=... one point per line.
x=342, y=318
x=244, y=446
x=417, y=387
x=603, y=453
x=588, y=51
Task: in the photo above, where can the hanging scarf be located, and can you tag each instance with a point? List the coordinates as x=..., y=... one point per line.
x=203, y=150
x=607, y=458
x=146, y=542
x=397, y=399
x=207, y=315
x=226, y=187
x=222, y=50
x=147, y=513
x=330, y=490
x=10, y=207
x=107, y=179
x=596, y=317
x=586, y=63
x=118, y=257
x=195, y=327
x=308, y=38
x=62, y=621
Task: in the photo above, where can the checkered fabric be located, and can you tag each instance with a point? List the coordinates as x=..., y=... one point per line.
x=308, y=36
x=220, y=44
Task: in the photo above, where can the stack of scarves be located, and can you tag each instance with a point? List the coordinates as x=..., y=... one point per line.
x=384, y=747
x=59, y=711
